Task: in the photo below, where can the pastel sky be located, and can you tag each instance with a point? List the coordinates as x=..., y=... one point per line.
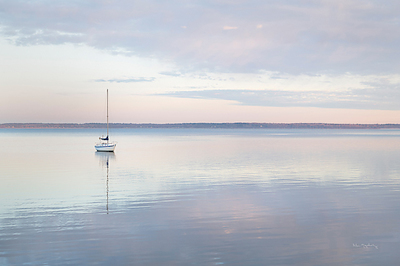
x=200, y=61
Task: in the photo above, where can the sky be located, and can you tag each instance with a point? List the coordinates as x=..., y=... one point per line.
x=286, y=61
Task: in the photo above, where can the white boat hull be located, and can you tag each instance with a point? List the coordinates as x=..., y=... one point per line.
x=105, y=147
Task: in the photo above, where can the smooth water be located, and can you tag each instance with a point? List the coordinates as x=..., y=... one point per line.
x=200, y=197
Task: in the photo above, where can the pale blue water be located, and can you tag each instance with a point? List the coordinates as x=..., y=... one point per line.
x=200, y=197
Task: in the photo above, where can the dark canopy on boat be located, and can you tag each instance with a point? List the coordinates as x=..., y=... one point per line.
x=104, y=138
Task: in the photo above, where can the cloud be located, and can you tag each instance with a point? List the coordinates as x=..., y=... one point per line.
x=377, y=97
x=294, y=36
x=126, y=80
x=171, y=73
x=229, y=28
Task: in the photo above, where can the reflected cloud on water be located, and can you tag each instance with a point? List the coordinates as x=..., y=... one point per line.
x=206, y=200
x=233, y=225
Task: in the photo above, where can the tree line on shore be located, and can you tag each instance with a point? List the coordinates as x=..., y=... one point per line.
x=203, y=125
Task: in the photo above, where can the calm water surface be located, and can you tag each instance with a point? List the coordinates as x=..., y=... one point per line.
x=200, y=197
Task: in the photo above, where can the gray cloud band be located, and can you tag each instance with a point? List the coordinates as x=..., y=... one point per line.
x=367, y=99
x=238, y=36
x=126, y=80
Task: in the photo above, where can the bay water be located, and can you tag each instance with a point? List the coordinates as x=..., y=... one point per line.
x=200, y=197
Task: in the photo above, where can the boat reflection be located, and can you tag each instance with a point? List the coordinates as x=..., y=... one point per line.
x=104, y=161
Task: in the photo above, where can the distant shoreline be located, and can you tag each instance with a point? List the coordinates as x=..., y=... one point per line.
x=203, y=125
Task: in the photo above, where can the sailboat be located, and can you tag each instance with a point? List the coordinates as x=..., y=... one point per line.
x=105, y=144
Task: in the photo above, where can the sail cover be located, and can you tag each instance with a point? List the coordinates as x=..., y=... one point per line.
x=104, y=138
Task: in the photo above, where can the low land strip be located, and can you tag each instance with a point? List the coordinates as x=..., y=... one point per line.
x=204, y=125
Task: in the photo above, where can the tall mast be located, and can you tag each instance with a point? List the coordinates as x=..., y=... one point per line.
x=107, y=116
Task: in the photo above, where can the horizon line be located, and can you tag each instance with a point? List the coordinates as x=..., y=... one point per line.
x=227, y=125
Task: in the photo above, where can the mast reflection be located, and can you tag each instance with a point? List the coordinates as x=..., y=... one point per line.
x=104, y=161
